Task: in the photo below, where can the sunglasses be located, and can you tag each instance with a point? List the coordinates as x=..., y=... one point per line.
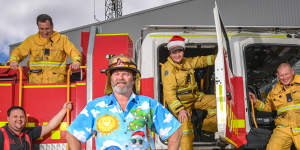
x=134, y=141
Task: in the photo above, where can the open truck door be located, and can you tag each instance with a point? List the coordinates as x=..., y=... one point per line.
x=229, y=91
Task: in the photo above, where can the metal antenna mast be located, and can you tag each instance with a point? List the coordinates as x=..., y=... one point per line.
x=113, y=9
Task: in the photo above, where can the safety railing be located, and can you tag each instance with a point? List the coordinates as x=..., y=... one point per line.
x=68, y=95
x=20, y=84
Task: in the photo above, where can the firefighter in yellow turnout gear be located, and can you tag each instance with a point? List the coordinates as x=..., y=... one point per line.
x=181, y=92
x=285, y=99
x=48, y=52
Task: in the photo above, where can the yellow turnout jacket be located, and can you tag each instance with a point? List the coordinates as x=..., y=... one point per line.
x=179, y=86
x=288, y=112
x=48, y=57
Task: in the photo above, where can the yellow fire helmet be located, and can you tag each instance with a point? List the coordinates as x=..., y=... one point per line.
x=122, y=62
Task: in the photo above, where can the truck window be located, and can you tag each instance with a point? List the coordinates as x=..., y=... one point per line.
x=261, y=62
x=203, y=76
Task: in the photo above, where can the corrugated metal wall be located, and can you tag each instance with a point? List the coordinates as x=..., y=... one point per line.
x=260, y=12
x=199, y=12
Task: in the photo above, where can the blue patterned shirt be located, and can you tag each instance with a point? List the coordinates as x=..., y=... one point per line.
x=118, y=129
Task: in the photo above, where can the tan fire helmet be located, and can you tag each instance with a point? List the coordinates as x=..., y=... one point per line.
x=122, y=62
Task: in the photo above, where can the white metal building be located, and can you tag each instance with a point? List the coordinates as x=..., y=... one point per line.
x=197, y=12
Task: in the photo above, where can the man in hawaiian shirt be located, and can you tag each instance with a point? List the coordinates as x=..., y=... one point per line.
x=122, y=118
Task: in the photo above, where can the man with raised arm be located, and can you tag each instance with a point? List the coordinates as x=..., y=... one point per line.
x=15, y=136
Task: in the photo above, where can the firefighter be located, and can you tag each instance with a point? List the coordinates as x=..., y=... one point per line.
x=181, y=92
x=285, y=99
x=122, y=118
x=48, y=52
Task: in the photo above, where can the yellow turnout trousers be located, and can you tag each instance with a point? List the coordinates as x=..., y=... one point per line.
x=283, y=138
x=206, y=102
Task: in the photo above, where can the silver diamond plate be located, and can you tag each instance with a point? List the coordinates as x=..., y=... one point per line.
x=56, y=146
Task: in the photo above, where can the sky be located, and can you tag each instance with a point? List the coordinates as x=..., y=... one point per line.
x=18, y=17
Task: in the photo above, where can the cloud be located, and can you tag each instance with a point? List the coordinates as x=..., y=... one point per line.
x=144, y=106
x=115, y=109
x=94, y=112
x=138, y=5
x=84, y=112
x=101, y=104
x=169, y=117
x=109, y=143
x=79, y=135
x=130, y=116
x=164, y=132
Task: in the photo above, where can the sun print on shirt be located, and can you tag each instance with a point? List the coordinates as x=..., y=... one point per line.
x=107, y=124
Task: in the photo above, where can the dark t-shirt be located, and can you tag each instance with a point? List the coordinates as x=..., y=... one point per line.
x=15, y=142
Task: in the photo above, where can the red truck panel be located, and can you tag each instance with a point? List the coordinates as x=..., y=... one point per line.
x=105, y=44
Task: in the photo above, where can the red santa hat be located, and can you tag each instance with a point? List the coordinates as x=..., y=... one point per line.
x=140, y=133
x=175, y=43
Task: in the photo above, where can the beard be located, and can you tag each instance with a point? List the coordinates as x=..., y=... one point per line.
x=122, y=87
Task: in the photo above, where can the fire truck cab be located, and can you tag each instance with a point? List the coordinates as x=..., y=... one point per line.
x=246, y=62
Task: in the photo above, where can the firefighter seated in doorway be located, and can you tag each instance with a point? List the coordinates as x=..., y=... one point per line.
x=285, y=99
x=48, y=51
x=181, y=92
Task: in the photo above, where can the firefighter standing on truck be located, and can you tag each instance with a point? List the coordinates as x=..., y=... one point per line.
x=285, y=99
x=48, y=52
x=181, y=92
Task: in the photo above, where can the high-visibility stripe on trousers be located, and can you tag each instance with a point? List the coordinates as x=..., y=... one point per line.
x=283, y=138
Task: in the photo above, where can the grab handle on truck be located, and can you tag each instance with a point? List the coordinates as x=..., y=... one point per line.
x=253, y=114
x=68, y=95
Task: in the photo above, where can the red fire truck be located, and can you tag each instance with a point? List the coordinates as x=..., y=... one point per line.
x=247, y=58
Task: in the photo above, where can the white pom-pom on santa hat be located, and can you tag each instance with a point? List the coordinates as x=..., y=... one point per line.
x=176, y=42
